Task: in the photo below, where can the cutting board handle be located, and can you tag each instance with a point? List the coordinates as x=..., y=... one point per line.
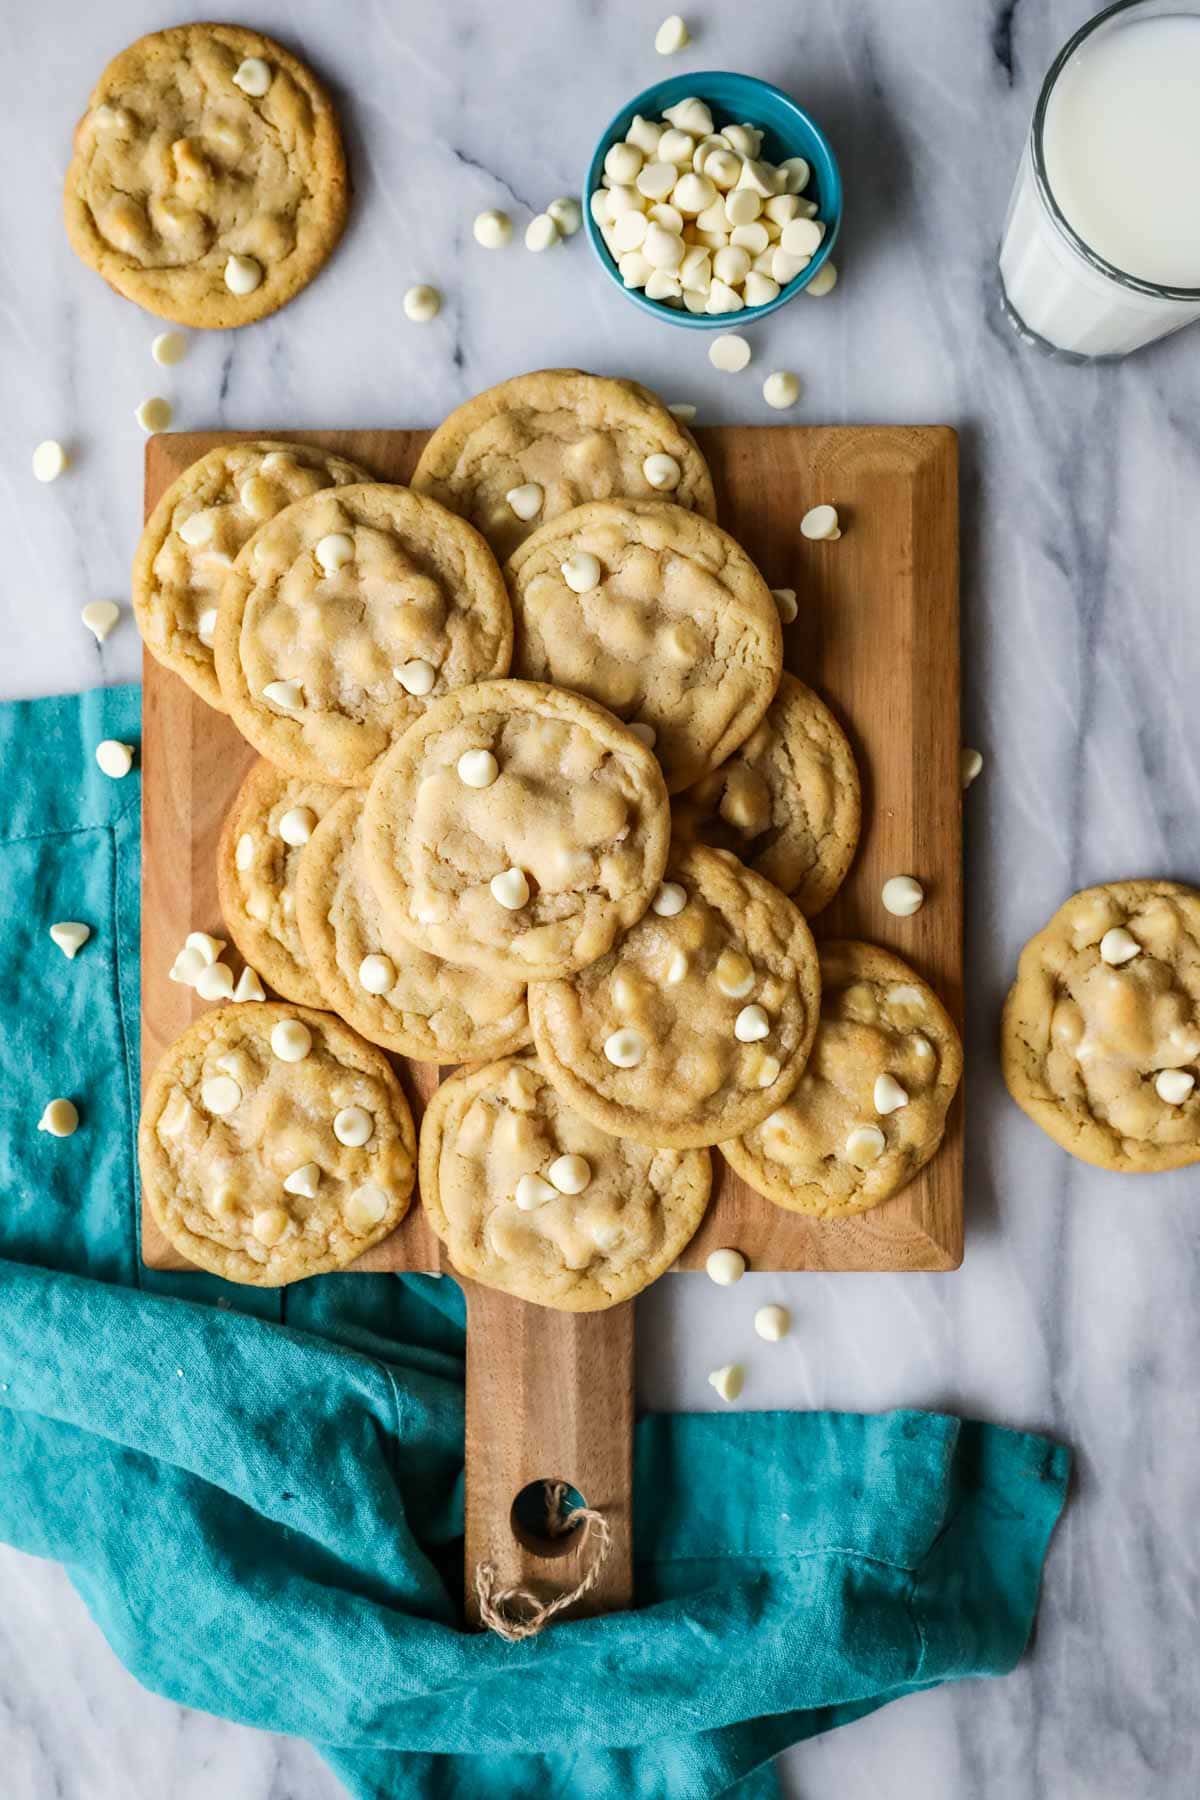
x=549, y=1398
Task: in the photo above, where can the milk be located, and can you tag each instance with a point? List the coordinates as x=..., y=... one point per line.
x=1119, y=141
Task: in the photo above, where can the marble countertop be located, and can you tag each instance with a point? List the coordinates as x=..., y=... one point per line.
x=1074, y=1311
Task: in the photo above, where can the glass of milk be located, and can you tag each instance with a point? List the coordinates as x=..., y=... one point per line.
x=1101, y=248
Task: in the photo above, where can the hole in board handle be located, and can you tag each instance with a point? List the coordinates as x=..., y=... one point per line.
x=539, y=1513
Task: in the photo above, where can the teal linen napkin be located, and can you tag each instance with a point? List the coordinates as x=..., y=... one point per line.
x=259, y=1495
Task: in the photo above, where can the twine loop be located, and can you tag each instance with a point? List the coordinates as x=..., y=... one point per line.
x=514, y=1613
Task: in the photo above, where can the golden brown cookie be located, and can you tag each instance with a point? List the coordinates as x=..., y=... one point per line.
x=531, y=1198
x=567, y=437
x=208, y=182
x=196, y=530
x=275, y=1144
x=345, y=617
x=259, y=855
x=870, y=1108
x=370, y=974
x=1101, y=1034
x=787, y=802
x=658, y=615
x=517, y=829
x=698, y=1022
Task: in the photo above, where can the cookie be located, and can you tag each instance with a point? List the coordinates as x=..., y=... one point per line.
x=870, y=1108
x=346, y=616
x=382, y=985
x=1101, y=1035
x=658, y=615
x=522, y=453
x=275, y=1144
x=208, y=182
x=787, y=802
x=262, y=840
x=529, y=1197
x=196, y=530
x=698, y=1022
x=517, y=829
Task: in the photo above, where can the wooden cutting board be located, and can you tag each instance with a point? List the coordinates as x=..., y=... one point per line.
x=550, y=1395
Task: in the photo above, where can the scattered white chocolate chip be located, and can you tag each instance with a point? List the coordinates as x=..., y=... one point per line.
x=249, y=986
x=751, y=1025
x=510, y=889
x=581, y=572
x=493, y=229
x=670, y=899
x=1119, y=946
x=59, y=1118
x=662, y=471
x=785, y=600
x=115, y=759
x=624, y=1048
x=253, y=76
x=671, y=35
x=220, y=1094
x=541, y=232
x=903, y=895
x=49, y=460
x=526, y=501
x=422, y=303
x=287, y=695
x=206, y=945
x=970, y=764
x=889, y=1095
x=728, y=1380
x=416, y=677
x=366, y=1206
x=206, y=626
x=1173, y=1085
x=865, y=1145
x=70, y=936
x=567, y=214
x=820, y=523
x=729, y=353
x=781, y=389
x=477, y=768
x=645, y=734
x=569, y=1174
x=333, y=551
x=823, y=282
x=533, y=1191
x=269, y=1225
x=243, y=855
x=683, y=410
x=297, y=825
x=772, y=1323
x=215, y=982
x=100, y=616
x=186, y=967
x=353, y=1126
x=725, y=1267
x=169, y=348
x=291, y=1040
x=154, y=414
x=376, y=973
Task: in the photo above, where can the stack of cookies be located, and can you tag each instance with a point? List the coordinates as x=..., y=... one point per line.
x=536, y=798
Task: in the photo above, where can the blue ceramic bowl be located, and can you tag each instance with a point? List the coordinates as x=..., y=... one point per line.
x=787, y=131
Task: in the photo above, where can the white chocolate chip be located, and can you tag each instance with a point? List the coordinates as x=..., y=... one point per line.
x=662, y=249
x=622, y=162
x=100, y=616
x=725, y=1267
x=253, y=76
x=353, y=1126
x=269, y=1225
x=889, y=1095
x=683, y=410
x=728, y=1380
x=70, y=936
x=196, y=529
x=751, y=1025
x=1173, y=1085
x=154, y=414
x=671, y=36
x=1119, y=946
x=541, y=233
x=645, y=133
x=365, y=1208
x=772, y=1323
x=115, y=759
x=676, y=148
x=723, y=299
x=209, y=947
x=243, y=855
x=416, y=677
x=677, y=968
x=206, y=626
x=731, y=265
x=291, y=1040
x=169, y=348
x=186, y=967
x=59, y=1118
x=333, y=551
x=297, y=825
x=242, y=275
x=970, y=765
x=287, y=695
x=865, y=1145
x=249, y=987
x=629, y=232
x=821, y=524
x=532, y=1191
x=223, y=1203
x=802, y=237
x=510, y=889
x=662, y=471
x=785, y=600
x=781, y=390
x=768, y=1072
x=493, y=229
x=49, y=460
x=581, y=572
x=422, y=303
x=645, y=734
x=570, y=1174
x=567, y=214
x=670, y=899
x=734, y=974
x=823, y=282
x=729, y=353
x=304, y=1181
x=526, y=501
x=903, y=895
x=215, y=982
x=634, y=270
x=692, y=194
x=376, y=973
x=220, y=1094
x=625, y=1048
x=477, y=768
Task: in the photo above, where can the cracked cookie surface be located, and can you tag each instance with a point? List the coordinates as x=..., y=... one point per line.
x=495, y=1144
